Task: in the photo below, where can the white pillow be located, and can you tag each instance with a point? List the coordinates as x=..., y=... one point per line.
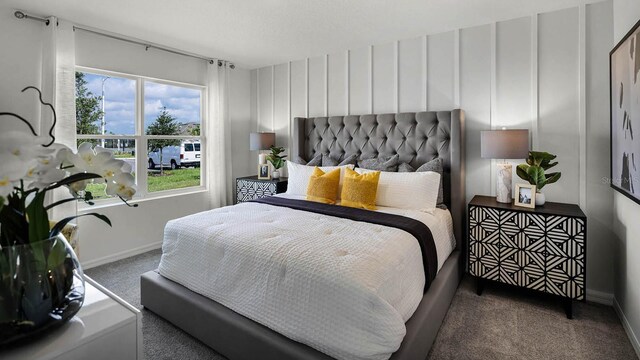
x=299, y=177
x=407, y=190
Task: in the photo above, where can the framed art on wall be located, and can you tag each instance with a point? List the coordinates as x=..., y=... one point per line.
x=624, y=66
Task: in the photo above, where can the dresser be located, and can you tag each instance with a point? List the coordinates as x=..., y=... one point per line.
x=105, y=328
x=542, y=249
x=250, y=187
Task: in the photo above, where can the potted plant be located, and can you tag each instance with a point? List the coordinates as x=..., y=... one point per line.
x=41, y=280
x=276, y=160
x=534, y=172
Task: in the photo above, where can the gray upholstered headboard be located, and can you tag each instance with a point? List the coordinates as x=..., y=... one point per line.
x=416, y=137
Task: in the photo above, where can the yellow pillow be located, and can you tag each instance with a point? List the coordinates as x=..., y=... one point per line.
x=323, y=187
x=360, y=190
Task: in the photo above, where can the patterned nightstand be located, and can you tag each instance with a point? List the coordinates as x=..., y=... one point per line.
x=250, y=187
x=543, y=249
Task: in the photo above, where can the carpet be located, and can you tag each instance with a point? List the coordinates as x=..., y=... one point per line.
x=503, y=323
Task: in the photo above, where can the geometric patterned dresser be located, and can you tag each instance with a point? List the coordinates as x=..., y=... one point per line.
x=250, y=187
x=543, y=249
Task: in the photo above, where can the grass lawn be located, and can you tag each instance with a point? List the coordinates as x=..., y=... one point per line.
x=172, y=179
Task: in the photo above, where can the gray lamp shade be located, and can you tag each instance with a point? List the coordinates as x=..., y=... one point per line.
x=504, y=144
x=261, y=140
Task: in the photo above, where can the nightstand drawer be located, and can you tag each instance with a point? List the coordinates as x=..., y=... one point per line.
x=565, y=277
x=522, y=268
x=522, y=231
x=484, y=225
x=484, y=259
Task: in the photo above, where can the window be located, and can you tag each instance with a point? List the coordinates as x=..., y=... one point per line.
x=153, y=125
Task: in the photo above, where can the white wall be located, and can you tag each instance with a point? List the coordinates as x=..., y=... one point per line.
x=626, y=214
x=21, y=44
x=134, y=230
x=545, y=72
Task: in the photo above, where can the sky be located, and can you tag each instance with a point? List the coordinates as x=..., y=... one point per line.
x=119, y=96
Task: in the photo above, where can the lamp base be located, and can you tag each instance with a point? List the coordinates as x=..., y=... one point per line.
x=503, y=185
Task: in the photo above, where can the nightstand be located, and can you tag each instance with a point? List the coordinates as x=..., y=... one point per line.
x=543, y=249
x=250, y=187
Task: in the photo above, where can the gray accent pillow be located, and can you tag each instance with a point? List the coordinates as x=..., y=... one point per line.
x=316, y=161
x=329, y=161
x=389, y=163
x=404, y=167
x=435, y=165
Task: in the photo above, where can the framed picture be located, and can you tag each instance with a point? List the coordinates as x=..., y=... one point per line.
x=525, y=195
x=264, y=172
x=624, y=68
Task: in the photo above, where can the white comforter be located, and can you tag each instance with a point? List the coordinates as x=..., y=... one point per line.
x=343, y=287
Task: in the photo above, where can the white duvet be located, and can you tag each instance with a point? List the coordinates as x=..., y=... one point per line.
x=343, y=287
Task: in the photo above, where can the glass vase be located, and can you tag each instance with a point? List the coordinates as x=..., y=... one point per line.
x=41, y=288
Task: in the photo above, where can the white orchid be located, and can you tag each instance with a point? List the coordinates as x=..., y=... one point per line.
x=122, y=185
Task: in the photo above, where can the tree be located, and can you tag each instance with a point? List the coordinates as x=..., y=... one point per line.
x=87, y=108
x=165, y=124
x=195, y=131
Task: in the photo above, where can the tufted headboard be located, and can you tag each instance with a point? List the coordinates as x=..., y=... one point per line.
x=416, y=137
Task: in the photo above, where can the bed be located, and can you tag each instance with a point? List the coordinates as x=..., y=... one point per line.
x=189, y=277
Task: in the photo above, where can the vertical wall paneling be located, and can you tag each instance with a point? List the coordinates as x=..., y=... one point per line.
x=306, y=85
x=298, y=89
x=371, y=79
x=326, y=85
x=289, y=117
x=582, y=108
x=273, y=98
x=412, y=80
x=425, y=72
x=347, y=80
x=534, y=82
x=258, y=99
x=360, y=81
x=338, y=76
x=456, y=68
x=493, y=95
x=384, y=81
x=558, y=74
x=317, y=86
x=440, y=76
x=281, y=117
x=265, y=95
x=513, y=78
x=396, y=75
x=475, y=99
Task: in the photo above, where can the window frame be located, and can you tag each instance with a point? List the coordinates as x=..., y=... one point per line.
x=141, y=139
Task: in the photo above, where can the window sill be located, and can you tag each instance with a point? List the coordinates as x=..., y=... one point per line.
x=107, y=203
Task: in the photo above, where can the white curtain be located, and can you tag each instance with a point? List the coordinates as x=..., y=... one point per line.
x=217, y=133
x=58, y=88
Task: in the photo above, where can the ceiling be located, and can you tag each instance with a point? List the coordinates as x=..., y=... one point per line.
x=256, y=33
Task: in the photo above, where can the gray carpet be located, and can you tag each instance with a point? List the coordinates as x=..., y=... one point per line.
x=503, y=323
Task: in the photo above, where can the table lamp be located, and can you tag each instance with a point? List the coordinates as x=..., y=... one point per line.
x=504, y=144
x=261, y=141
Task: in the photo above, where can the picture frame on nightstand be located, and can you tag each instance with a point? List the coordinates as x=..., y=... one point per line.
x=264, y=172
x=525, y=196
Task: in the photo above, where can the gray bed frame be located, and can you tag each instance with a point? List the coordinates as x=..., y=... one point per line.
x=416, y=138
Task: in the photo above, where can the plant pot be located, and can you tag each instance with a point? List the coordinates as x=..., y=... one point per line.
x=41, y=287
x=540, y=198
x=275, y=174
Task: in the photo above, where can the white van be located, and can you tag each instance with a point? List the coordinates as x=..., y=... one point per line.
x=185, y=154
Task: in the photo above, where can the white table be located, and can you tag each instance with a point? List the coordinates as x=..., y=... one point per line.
x=106, y=327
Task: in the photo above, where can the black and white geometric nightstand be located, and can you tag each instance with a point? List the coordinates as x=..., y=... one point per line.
x=543, y=249
x=250, y=187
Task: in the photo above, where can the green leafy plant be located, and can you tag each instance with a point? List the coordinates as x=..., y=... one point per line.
x=275, y=158
x=534, y=170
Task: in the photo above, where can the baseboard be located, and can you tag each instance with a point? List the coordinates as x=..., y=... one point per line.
x=627, y=327
x=120, y=255
x=599, y=297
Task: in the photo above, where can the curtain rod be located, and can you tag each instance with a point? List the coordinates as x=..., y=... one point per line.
x=23, y=15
